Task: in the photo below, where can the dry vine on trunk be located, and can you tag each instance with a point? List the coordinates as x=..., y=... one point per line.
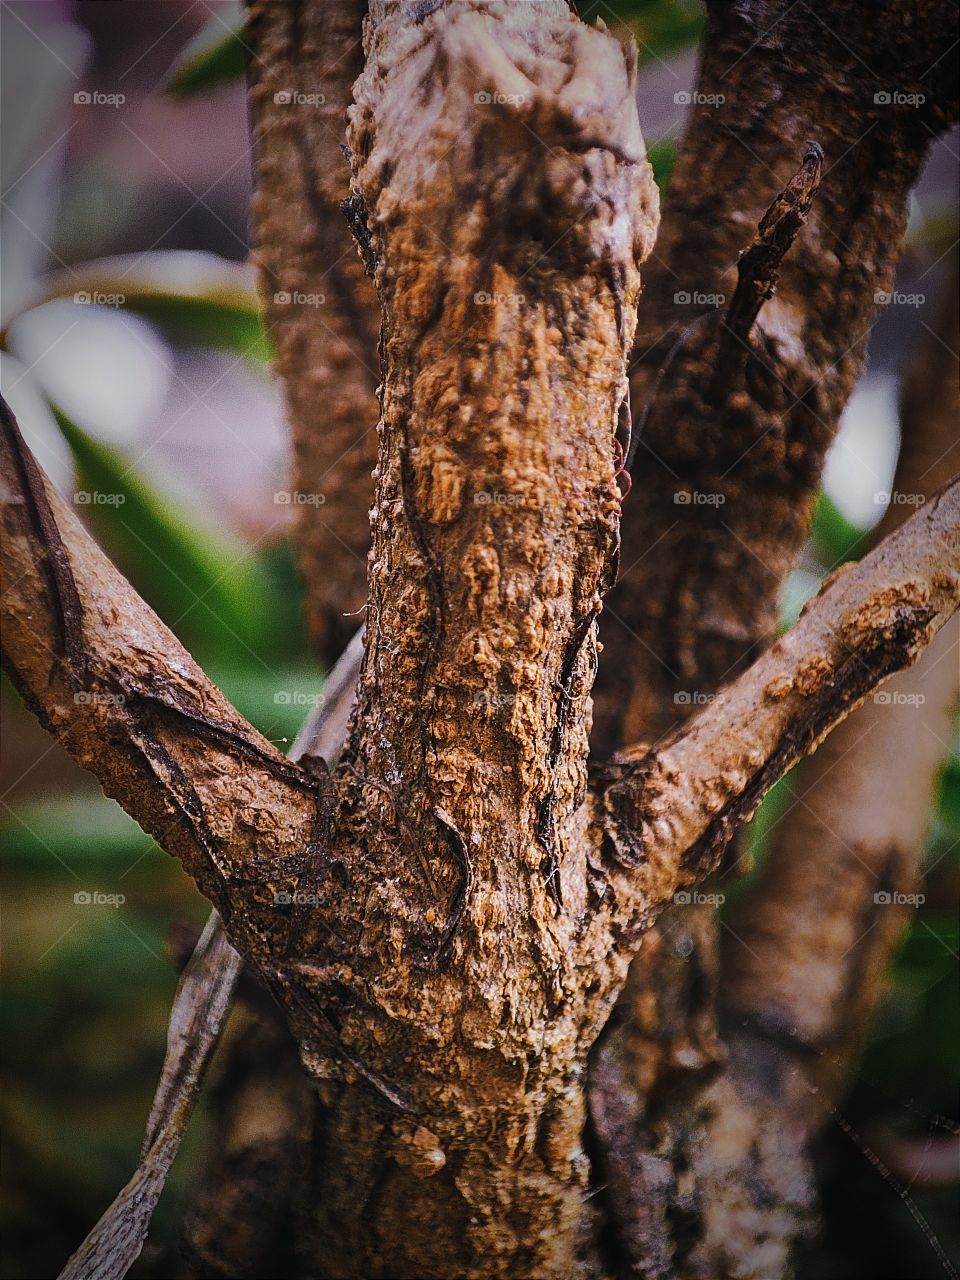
x=449, y=914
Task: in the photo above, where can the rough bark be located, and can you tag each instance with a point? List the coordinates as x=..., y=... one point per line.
x=707, y=1089
x=698, y=587
x=105, y=676
x=469, y=902
x=814, y=946
x=507, y=199
x=320, y=306
x=699, y=578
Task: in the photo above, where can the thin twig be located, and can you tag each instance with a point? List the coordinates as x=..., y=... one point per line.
x=758, y=267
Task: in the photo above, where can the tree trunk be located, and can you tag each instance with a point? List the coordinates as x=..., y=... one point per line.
x=447, y=918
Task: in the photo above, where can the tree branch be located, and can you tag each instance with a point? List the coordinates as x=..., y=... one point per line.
x=321, y=308
x=865, y=800
x=200, y=1010
x=724, y=487
x=673, y=809
x=805, y=959
x=102, y=673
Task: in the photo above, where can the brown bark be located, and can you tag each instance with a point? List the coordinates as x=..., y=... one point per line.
x=321, y=308
x=103, y=673
x=814, y=938
x=706, y=1134
x=698, y=587
x=502, y=173
x=699, y=579
x=472, y=903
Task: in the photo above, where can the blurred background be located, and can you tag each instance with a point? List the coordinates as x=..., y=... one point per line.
x=135, y=359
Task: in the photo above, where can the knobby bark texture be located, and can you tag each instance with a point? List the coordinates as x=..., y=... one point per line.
x=320, y=305
x=500, y=172
x=448, y=921
x=723, y=1062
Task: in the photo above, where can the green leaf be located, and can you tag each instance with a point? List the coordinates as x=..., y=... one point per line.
x=217, y=55
x=206, y=590
x=662, y=27
x=194, y=298
x=662, y=155
x=201, y=322
x=835, y=539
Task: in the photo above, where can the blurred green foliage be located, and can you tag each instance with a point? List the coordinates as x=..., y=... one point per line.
x=661, y=27
x=217, y=55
